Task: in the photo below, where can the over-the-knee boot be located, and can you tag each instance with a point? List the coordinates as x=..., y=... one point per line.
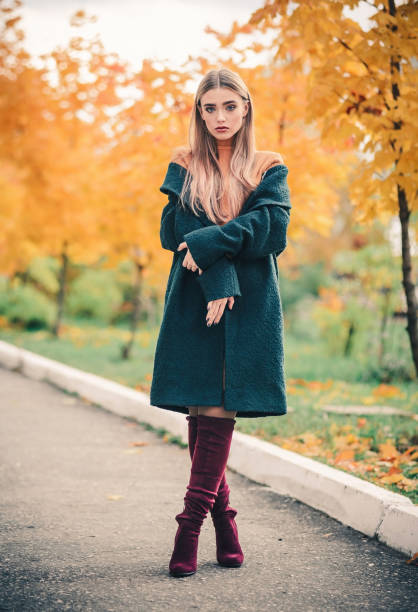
x=228, y=549
x=213, y=443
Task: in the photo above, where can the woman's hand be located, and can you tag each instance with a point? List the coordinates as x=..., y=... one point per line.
x=216, y=309
x=188, y=261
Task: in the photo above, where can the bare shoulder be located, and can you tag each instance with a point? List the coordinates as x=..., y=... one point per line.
x=181, y=155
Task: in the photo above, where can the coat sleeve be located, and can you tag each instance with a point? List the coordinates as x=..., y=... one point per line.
x=257, y=233
x=217, y=281
x=167, y=233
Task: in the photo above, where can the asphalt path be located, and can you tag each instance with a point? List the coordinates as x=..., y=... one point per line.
x=87, y=523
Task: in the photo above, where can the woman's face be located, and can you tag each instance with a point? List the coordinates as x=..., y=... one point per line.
x=223, y=108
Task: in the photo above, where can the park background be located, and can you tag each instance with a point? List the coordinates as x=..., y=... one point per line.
x=94, y=98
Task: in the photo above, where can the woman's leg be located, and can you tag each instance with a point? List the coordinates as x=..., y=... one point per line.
x=228, y=550
x=216, y=411
x=214, y=436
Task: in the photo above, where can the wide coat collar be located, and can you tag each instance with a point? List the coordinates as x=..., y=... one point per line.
x=272, y=189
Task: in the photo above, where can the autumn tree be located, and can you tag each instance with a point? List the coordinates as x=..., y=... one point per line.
x=53, y=142
x=81, y=166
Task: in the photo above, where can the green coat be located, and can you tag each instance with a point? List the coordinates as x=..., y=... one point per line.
x=238, y=259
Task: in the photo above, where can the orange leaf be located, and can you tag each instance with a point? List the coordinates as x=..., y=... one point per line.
x=386, y=391
x=413, y=559
x=388, y=451
x=345, y=455
x=394, y=478
x=394, y=470
x=410, y=450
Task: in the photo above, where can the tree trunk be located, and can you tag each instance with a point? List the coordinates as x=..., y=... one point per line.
x=349, y=341
x=386, y=292
x=136, y=300
x=407, y=277
x=404, y=214
x=61, y=291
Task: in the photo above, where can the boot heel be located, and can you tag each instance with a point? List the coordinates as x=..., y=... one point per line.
x=228, y=549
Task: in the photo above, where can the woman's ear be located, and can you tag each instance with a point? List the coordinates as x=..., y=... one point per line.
x=245, y=108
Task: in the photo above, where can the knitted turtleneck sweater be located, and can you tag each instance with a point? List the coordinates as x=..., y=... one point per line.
x=225, y=154
x=224, y=157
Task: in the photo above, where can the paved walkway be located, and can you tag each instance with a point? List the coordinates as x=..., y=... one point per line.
x=64, y=545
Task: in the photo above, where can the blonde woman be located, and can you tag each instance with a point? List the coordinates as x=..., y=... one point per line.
x=219, y=353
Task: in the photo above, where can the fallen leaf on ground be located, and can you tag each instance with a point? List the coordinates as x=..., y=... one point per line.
x=391, y=479
x=413, y=560
x=345, y=455
x=384, y=390
x=388, y=450
x=394, y=470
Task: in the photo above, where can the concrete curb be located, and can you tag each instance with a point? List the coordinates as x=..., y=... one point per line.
x=375, y=511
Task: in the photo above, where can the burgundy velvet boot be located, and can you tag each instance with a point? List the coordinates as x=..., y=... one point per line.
x=213, y=443
x=228, y=549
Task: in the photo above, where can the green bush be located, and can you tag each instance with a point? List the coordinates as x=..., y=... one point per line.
x=43, y=271
x=307, y=283
x=95, y=295
x=26, y=306
x=3, y=295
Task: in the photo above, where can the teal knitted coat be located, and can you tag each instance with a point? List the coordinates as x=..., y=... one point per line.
x=238, y=259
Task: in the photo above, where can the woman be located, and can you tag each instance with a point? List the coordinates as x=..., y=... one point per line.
x=219, y=352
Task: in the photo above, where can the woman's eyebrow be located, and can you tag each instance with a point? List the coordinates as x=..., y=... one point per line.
x=228, y=102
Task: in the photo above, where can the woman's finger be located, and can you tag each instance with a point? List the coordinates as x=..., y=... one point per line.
x=186, y=261
x=212, y=310
x=220, y=312
x=216, y=311
x=189, y=263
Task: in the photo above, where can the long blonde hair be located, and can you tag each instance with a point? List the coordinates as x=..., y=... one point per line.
x=204, y=177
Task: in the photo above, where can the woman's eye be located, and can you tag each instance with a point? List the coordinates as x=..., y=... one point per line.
x=229, y=107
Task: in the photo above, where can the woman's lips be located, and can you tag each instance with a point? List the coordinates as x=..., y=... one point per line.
x=222, y=129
